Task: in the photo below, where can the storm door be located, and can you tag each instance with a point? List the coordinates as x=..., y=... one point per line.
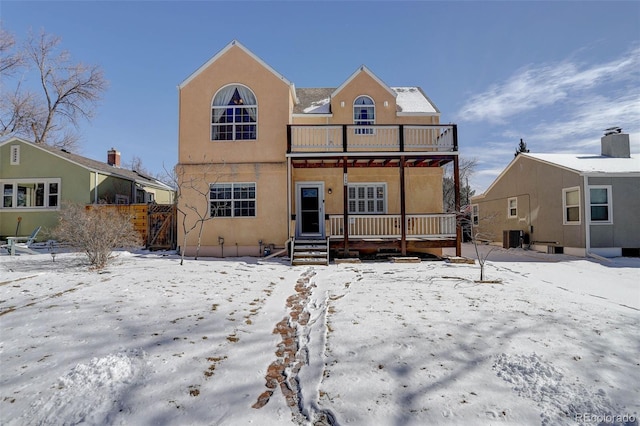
x=309, y=210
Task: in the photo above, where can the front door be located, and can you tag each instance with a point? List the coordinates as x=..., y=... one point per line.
x=309, y=209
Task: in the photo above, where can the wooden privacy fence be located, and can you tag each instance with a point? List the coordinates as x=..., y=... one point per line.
x=156, y=223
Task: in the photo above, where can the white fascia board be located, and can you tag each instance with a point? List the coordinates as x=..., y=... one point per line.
x=363, y=68
x=158, y=185
x=418, y=114
x=298, y=115
x=14, y=139
x=248, y=52
x=612, y=175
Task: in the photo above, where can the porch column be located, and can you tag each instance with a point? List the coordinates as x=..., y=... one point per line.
x=345, y=206
x=403, y=210
x=456, y=186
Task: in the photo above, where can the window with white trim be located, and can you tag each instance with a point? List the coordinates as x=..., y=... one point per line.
x=367, y=198
x=364, y=114
x=232, y=199
x=15, y=155
x=600, y=204
x=475, y=214
x=512, y=208
x=27, y=194
x=234, y=114
x=571, y=206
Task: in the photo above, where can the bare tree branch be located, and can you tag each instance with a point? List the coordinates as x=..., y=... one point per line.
x=69, y=92
x=10, y=59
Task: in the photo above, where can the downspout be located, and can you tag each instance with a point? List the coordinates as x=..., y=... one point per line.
x=95, y=188
x=289, y=198
x=587, y=217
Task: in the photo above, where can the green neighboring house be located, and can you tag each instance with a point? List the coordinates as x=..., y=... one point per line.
x=37, y=179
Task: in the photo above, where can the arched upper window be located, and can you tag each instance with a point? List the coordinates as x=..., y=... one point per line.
x=234, y=114
x=364, y=114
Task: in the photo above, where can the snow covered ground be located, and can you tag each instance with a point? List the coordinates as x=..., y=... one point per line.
x=244, y=341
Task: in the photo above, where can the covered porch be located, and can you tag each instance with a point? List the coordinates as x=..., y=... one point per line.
x=325, y=163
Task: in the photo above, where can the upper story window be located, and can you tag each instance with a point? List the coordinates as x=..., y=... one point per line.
x=512, y=208
x=364, y=114
x=234, y=114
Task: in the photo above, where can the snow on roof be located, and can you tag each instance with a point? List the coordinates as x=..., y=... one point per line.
x=323, y=106
x=412, y=100
x=589, y=163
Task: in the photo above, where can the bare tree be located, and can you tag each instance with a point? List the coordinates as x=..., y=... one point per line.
x=192, y=199
x=478, y=237
x=96, y=230
x=466, y=169
x=69, y=92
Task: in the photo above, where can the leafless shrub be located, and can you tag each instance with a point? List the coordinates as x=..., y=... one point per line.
x=96, y=230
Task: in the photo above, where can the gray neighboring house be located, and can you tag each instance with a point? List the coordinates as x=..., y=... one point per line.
x=577, y=204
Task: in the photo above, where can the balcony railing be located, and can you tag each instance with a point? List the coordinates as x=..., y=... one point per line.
x=428, y=226
x=384, y=138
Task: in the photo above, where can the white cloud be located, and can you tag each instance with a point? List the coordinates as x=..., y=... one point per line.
x=536, y=87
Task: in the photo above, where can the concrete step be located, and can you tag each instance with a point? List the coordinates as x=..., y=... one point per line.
x=310, y=261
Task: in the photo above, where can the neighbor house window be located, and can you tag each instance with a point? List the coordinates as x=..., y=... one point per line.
x=27, y=194
x=571, y=206
x=364, y=114
x=232, y=199
x=512, y=207
x=15, y=155
x=475, y=214
x=367, y=198
x=600, y=201
x=234, y=114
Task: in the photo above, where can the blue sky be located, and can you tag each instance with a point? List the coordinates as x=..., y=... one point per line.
x=553, y=73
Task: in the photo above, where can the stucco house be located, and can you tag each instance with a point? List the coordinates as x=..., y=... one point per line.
x=578, y=204
x=351, y=169
x=37, y=179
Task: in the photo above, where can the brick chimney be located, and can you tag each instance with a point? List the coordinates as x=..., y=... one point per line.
x=113, y=157
x=615, y=144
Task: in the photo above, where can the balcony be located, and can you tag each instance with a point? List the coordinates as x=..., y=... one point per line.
x=435, y=138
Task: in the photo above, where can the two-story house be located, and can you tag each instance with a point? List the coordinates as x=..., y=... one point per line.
x=354, y=169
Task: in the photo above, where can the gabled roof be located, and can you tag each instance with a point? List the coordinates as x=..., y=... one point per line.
x=410, y=101
x=232, y=44
x=94, y=165
x=586, y=164
x=363, y=69
x=582, y=164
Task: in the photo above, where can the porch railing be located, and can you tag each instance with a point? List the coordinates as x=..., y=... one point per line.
x=389, y=226
x=388, y=138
